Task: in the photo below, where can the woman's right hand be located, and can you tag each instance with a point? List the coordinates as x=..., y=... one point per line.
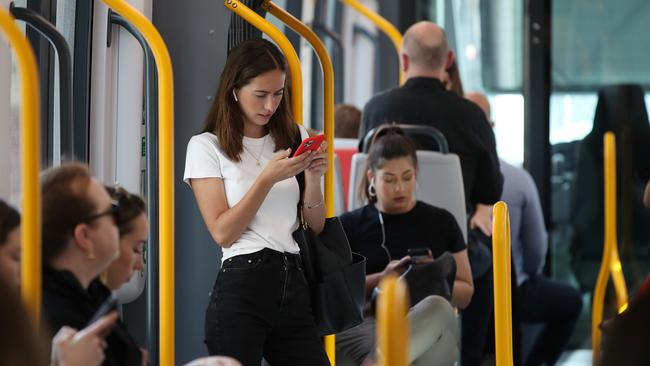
x=282, y=166
x=396, y=267
x=84, y=347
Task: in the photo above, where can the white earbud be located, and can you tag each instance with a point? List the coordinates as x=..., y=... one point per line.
x=234, y=95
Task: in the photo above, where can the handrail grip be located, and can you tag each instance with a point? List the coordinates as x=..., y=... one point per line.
x=166, y=177
x=151, y=124
x=384, y=25
x=502, y=284
x=30, y=229
x=328, y=116
x=281, y=40
x=611, y=263
x=392, y=322
x=56, y=39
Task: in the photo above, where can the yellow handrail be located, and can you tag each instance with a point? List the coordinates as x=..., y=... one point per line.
x=281, y=40
x=30, y=231
x=166, y=169
x=611, y=262
x=392, y=324
x=328, y=117
x=384, y=25
x=502, y=284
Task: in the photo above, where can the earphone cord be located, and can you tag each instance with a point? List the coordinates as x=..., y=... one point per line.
x=383, y=235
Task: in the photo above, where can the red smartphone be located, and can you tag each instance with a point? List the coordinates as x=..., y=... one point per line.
x=309, y=144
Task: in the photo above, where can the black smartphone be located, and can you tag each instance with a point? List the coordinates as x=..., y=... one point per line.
x=106, y=307
x=417, y=254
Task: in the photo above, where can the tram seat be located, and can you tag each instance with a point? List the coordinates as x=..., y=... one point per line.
x=621, y=109
x=440, y=183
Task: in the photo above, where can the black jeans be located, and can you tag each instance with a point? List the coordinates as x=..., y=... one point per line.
x=260, y=307
x=555, y=304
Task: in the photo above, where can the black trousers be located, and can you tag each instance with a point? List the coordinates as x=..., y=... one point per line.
x=557, y=305
x=260, y=307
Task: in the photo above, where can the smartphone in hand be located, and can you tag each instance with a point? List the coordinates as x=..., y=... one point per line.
x=418, y=254
x=309, y=144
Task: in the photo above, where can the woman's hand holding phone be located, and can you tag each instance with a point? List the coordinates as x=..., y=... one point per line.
x=397, y=267
x=282, y=166
x=319, y=164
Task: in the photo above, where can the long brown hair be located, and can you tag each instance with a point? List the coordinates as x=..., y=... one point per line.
x=390, y=142
x=9, y=220
x=226, y=120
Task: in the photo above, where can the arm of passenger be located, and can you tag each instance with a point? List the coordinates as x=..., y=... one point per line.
x=533, y=232
x=463, y=285
x=313, y=204
x=395, y=267
x=227, y=224
x=646, y=195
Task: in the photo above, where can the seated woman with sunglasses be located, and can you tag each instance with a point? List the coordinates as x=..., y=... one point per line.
x=383, y=231
x=80, y=240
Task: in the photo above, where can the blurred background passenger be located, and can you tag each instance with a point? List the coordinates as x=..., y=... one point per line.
x=451, y=80
x=134, y=230
x=80, y=240
x=383, y=231
x=555, y=304
x=347, y=119
x=9, y=245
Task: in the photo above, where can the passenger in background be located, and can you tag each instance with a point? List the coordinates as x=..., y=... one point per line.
x=383, y=231
x=133, y=227
x=243, y=177
x=423, y=100
x=80, y=240
x=347, y=119
x=541, y=300
x=452, y=80
x=9, y=245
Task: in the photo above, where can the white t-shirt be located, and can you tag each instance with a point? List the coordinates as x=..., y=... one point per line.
x=276, y=218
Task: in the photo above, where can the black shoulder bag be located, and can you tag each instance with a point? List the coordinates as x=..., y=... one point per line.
x=336, y=276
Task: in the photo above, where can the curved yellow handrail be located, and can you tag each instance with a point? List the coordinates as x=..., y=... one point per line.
x=166, y=169
x=392, y=323
x=384, y=25
x=502, y=284
x=281, y=40
x=30, y=231
x=611, y=262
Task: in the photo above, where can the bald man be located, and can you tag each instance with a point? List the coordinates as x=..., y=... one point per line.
x=423, y=100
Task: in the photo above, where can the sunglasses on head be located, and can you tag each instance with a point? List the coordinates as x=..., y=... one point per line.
x=114, y=211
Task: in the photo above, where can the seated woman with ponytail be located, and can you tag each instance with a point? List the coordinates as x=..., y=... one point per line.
x=391, y=224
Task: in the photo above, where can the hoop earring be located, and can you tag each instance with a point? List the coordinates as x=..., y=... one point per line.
x=234, y=95
x=372, y=192
x=91, y=255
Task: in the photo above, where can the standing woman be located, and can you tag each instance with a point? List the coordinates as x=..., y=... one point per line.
x=243, y=177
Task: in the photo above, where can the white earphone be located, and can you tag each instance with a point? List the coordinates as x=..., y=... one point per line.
x=234, y=95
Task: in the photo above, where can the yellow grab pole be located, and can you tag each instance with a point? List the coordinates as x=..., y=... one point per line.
x=610, y=262
x=502, y=288
x=166, y=171
x=384, y=25
x=328, y=117
x=30, y=231
x=392, y=324
x=281, y=40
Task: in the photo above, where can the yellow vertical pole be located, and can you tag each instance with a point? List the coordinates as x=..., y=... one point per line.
x=30, y=265
x=384, y=25
x=281, y=40
x=502, y=284
x=610, y=262
x=392, y=324
x=166, y=169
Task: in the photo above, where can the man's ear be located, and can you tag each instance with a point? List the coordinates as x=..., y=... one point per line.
x=451, y=57
x=81, y=238
x=405, y=62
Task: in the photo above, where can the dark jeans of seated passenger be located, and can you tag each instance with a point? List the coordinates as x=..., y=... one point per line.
x=476, y=320
x=555, y=304
x=260, y=307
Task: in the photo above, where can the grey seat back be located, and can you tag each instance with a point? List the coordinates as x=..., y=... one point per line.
x=440, y=183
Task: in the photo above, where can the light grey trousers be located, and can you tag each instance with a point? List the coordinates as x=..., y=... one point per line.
x=434, y=336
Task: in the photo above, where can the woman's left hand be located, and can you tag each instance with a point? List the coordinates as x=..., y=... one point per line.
x=318, y=165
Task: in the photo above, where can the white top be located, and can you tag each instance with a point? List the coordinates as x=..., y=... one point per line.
x=276, y=218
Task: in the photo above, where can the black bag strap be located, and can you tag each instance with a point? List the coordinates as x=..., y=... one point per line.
x=300, y=177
